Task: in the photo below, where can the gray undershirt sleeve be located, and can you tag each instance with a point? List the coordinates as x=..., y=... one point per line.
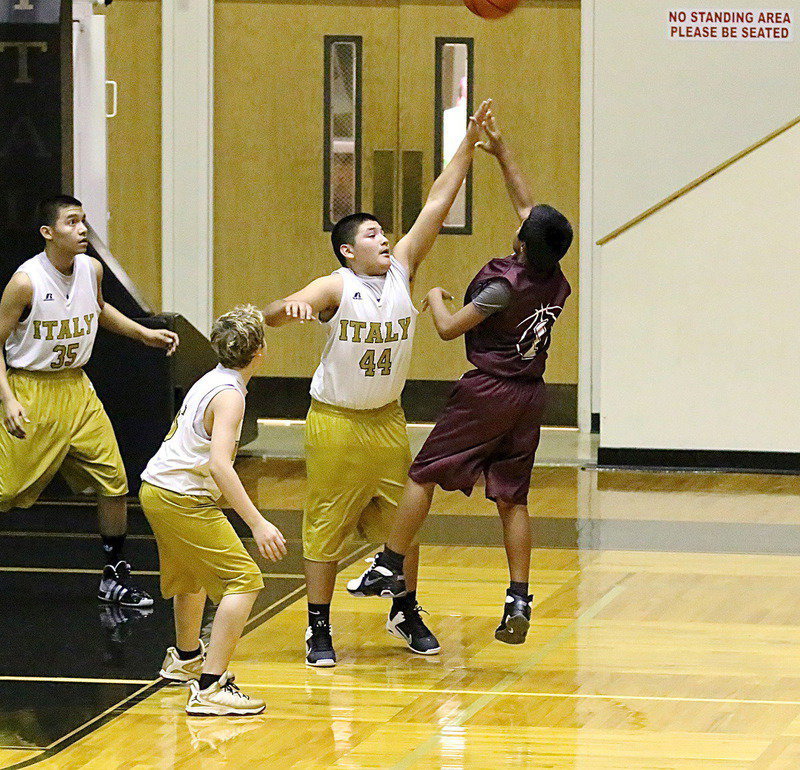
x=493, y=297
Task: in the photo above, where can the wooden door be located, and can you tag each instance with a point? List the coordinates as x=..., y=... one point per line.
x=269, y=129
x=529, y=64
x=270, y=148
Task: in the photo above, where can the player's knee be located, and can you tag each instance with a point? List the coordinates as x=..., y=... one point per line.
x=508, y=509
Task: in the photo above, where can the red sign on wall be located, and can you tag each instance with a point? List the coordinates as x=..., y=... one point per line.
x=730, y=24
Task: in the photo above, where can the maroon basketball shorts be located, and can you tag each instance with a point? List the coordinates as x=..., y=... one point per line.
x=490, y=426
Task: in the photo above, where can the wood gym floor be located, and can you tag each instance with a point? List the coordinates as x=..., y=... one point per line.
x=665, y=634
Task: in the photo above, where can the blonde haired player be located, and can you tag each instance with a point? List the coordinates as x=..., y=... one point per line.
x=357, y=451
x=49, y=315
x=199, y=552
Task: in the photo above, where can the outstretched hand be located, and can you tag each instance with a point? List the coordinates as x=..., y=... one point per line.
x=493, y=140
x=300, y=310
x=476, y=121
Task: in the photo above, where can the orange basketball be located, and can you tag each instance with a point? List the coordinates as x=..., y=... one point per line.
x=491, y=9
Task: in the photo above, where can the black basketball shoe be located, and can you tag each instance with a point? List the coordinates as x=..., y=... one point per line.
x=516, y=620
x=116, y=588
x=319, y=645
x=378, y=580
x=407, y=624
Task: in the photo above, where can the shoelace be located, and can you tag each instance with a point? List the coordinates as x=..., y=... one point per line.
x=232, y=688
x=123, y=571
x=414, y=618
x=321, y=632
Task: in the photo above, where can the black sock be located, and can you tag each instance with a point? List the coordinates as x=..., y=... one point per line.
x=206, y=680
x=112, y=547
x=518, y=589
x=319, y=613
x=187, y=655
x=391, y=559
x=402, y=602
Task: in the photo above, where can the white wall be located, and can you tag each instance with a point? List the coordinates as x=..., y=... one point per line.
x=187, y=160
x=658, y=113
x=700, y=317
x=666, y=111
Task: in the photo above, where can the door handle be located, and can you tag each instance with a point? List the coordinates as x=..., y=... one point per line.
x=412, y=187
x=114, y=98
x=383, y=188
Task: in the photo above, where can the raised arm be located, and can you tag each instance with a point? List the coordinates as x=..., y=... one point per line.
x=118, y=323
x=414, y=246
x=516, y=185
x=321, y=296
x=17, y=297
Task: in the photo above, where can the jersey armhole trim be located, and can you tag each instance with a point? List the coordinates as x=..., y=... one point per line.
x=329, y=324
x=205, y=403
x=34, y=296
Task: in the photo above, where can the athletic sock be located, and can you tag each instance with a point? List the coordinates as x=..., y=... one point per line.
x=206, y=680
x=391, y=559
x=317, y=613
x=187, y=655
x=404, y=602
x=518, y=589
x=112, y=547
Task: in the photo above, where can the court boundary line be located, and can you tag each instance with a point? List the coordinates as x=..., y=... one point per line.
x=73, y=680
x=157, y=684
x=523, y=694
x=83, y=571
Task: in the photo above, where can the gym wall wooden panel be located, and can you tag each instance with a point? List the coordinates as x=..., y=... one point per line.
x=268, y=148
x=529, y=64
x=133, y=59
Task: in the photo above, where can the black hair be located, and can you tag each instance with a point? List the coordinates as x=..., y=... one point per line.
x=547, y=235
x=49, y=208
x=345, y=231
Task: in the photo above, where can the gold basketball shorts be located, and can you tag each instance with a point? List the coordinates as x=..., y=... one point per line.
x=68, y=431
x=357, y=463
x=198, y=549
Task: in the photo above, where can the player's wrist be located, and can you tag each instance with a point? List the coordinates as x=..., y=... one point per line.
x=501, y=152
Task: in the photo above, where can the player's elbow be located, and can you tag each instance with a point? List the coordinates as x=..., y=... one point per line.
x=448, y=333
x=218, y=467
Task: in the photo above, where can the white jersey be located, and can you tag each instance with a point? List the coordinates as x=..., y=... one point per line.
x=181, y=463
x=365, y=361
x=59, y=331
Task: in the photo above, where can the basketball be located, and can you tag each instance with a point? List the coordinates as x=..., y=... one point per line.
x=491, y=9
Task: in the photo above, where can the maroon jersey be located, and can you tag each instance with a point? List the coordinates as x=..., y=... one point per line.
x=513, y=342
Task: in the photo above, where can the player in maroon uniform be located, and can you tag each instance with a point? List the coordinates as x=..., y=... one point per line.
x=492, y=421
